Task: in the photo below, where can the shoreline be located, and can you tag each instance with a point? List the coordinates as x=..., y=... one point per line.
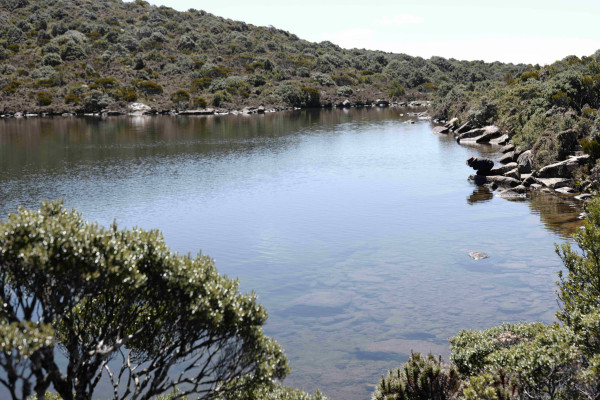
x=146, y=110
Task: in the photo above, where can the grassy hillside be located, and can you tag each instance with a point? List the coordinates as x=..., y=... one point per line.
x=90, y=55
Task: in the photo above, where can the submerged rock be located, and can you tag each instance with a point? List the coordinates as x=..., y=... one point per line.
x=477, y=255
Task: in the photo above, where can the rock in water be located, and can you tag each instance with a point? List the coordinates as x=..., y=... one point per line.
x=477, y=255
x=481, y=165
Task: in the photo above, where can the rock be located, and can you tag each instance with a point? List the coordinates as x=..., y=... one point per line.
x=501, y=170
x=507, y=158
x=516, y=192
x=583, y=196
x=562, y=169
x=481, y=165
x=503, y=180
x=525, y=162
x=477, y=255
x=260, y=109
x=502, y=140
x=528, y=180
x=489, y=132
x=452, y=123
x=491, y=186
x=464, y=128
x=382, y=103
x=565, y=190
x=441, y=129
x=138, y=108
x=18, y=115
x=346, y=104
x=207, y=111
x=553, y=183
x=479, y=180
x=507, y=148
x=535, y=186
x=471, y=134
x=513, y=173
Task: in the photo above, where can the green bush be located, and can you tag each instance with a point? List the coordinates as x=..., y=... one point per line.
x=51, y=59
x=591, y=147
x=107, y=83
x=322, y=79
x=180, y=98
x=397, y=90
x=44, y=98
x=419, y=378
x=344, y=91
x=310, y=97
x=149, y=87
x=199, y=102
x=72, y=51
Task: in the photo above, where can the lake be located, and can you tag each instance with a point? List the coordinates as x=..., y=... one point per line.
x=353, y=227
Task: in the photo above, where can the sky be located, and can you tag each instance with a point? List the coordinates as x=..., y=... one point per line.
x=528, y=31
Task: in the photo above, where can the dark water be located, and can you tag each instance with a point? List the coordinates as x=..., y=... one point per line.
x=353, y=227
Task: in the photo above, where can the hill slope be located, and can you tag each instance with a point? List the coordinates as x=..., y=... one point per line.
x=89, y=55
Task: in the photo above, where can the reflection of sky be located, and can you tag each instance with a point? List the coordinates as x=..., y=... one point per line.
x=353, y=228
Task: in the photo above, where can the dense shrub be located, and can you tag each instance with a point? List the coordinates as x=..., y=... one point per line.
x=419, y=378
x=310, y=97
x=344, y=91
x=44, y=98
x=180, y=98
x=199, y=102
x=149, y=87
x=322, y=79
x=72, y=51
x=51, y=59
x=96, y=101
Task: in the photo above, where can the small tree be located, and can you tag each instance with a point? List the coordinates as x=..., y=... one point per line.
x=120, y=302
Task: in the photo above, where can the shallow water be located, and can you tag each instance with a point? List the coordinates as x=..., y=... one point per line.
x=352, y=226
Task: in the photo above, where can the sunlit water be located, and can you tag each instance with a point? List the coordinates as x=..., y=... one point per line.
x=353, y=227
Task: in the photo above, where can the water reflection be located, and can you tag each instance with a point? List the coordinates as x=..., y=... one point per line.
x=480, y=194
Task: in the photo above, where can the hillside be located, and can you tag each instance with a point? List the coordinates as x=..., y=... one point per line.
x=93, y=55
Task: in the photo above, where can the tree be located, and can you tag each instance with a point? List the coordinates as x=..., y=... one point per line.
x=579, y=290
x=120, y=302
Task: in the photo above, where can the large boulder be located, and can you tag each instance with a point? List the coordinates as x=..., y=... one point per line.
x=138, y=108
x=525, y=162
x=464, y=128
x=554, y=183
x=479, y=135
x=481, y=165
x=502, y=140
x=452, y=123
x=501, y=170
x=441, y=129
x=562, y=169
x=507, y=149
x=507, y=158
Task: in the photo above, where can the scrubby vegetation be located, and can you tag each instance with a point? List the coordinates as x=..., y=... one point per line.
x=525, y=360
x=133, y=51
x=548, y=109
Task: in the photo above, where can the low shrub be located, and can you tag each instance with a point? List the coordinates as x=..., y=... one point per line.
x=44, y=98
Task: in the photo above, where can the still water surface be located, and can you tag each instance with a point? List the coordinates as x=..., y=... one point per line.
x=352, y=226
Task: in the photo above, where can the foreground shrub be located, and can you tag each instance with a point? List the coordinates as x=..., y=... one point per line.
x=419, y=378
x=105, y=294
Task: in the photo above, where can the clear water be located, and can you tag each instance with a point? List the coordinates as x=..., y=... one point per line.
x=353, y=226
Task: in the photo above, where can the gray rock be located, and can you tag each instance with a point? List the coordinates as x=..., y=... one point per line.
x=553, y=183
x=481, y=165
x=535, y=186
x=583, y=196
x=562, y=169
x=491, y=186
x=464, y=128
x=507, y=158
x=503, y=180
x=441, y=129
x=452, y=123
x=513, y=173
x=565, y=190
x=525, y=162
x=477, y=255
x=479, y=135
x=507, y=148
x=501, y=170
x=502, y=140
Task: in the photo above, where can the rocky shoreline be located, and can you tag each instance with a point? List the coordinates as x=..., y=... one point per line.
x=137, y=109
x=516, y=175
